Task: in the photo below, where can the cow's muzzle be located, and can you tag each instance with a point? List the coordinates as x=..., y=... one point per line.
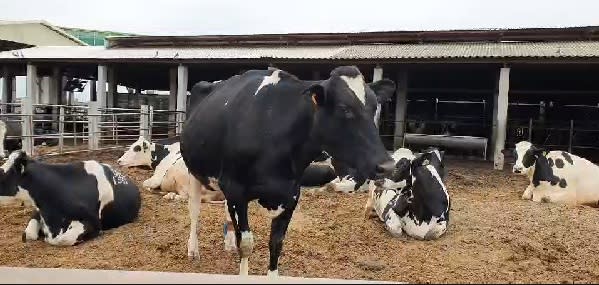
x=385, y=169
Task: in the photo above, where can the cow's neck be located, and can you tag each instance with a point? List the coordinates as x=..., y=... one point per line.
x=157, y=153
x=429, y=191
x=543, y=172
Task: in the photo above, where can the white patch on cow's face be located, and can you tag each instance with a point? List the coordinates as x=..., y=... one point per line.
x=64, y=238
x=10, y=161
x=105, y=190
x=275, y=213
x=226, y=102
x=356, y=84
x=272, y=79
x=402, y=153
x=521, y=149
x=2, y=137
x=138, y=154
x=32, y=230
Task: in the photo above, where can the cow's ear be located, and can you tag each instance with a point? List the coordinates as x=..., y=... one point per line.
x=317, y=92
x=384, y=90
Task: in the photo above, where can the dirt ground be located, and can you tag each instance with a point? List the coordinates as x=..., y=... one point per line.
x=493, y=237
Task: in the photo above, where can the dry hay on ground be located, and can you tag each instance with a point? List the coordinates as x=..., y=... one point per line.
x=493, y=237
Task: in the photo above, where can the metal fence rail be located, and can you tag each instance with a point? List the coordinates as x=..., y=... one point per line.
x=49, y=129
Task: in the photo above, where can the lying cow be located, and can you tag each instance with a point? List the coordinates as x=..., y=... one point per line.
x=170, y=172
x=419, y=209
x=73, y=202
x=557, y=176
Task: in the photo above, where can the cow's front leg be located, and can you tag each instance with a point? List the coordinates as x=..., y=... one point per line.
x=278, y=230
x=33, y=231
x=369, y=211
x=153, y=182
x=229, y=230
x=527, y=195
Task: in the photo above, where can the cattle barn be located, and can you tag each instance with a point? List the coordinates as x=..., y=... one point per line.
x=467, y=91
x=471, y=93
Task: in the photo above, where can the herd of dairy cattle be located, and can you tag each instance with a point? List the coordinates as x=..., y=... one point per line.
x=264, y=135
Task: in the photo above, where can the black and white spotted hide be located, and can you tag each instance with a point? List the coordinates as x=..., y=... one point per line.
x=73, y=202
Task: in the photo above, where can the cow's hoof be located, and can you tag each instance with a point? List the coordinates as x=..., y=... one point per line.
x=273, y=274
x=230, y=244
x=193, y=256
x=179, y=198
x=170, y=196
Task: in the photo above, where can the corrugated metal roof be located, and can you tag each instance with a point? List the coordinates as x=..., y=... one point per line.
x=581, y=49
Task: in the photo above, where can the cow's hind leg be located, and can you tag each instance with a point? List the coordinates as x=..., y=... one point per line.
x=238, y=211
x=193, y=205
x=76, y=232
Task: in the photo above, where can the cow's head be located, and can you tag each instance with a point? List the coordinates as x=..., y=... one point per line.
x=138, y=154
x=11, y=171
x=344, y=122
x=403, y=159
x=525, y=155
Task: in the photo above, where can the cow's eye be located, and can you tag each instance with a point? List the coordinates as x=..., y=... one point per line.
x=137, y=148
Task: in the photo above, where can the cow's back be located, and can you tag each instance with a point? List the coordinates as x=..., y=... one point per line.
x=126, y=204
x=577, y=175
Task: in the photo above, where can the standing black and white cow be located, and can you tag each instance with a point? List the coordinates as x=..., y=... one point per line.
x=73, y=202
x=421, y=208
x=258, y=131
x=557, y=176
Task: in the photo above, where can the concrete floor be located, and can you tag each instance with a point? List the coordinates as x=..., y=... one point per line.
x=21, y=275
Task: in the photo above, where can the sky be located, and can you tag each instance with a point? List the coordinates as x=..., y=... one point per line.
x=201, y=17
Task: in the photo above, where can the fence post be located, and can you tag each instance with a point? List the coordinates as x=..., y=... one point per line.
x=92, y=127
x=27, y=125
x=144, y=122
x=150, y=121
x=571, y=136
x=530, y=130
x=61, y=129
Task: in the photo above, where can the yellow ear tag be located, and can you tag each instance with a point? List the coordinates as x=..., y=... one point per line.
x=544, y=153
